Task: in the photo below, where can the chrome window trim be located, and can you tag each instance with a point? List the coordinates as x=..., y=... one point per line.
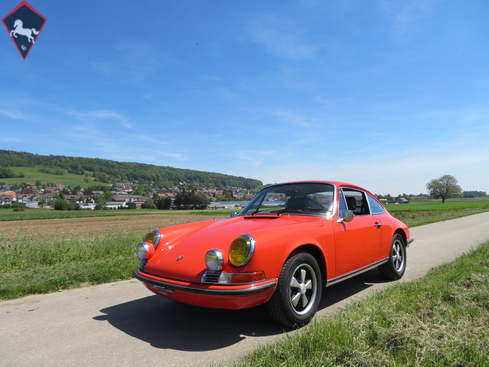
x=370, y=207
x=363, y=192
x=262, y=194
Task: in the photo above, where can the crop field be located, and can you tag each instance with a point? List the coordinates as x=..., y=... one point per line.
x=76, y=228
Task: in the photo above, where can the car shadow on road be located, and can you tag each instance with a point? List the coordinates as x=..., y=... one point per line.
x=171, y=325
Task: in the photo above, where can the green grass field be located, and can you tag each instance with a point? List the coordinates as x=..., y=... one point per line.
x=32, y=174
x=431, y=211
x=436, y=205
x=34, y=214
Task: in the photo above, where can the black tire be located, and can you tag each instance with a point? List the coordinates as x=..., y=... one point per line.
x=298, y=293
x=395, y=267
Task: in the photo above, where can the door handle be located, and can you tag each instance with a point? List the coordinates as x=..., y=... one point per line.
x=377, y=224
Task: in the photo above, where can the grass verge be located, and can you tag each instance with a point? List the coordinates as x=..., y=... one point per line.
x=30, y=265
x=418, y=218
x=440, y=320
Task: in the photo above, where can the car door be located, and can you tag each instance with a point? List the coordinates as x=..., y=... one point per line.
x=357, y=242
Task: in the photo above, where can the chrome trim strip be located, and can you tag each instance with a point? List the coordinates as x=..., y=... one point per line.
x=252, y=250
x=157, y=240
x=207, y=292
x=356, y=272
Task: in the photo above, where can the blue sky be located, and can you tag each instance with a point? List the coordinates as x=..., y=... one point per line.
x=384, y=94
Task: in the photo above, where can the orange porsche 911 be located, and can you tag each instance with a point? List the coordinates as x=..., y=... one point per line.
x=288, y=243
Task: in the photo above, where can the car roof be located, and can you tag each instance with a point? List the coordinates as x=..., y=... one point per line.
x=335, y=183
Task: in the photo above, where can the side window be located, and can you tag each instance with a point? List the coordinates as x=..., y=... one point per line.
x=375, y=206
x=356, y=201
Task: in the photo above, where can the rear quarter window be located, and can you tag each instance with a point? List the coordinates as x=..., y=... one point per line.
x=375, y=206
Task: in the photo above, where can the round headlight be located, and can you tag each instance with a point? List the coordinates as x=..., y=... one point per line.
x=214, y=260
x=241, y=250
x=145, y=251
x=153, y=238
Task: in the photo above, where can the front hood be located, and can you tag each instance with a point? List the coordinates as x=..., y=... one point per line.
x=181, y=251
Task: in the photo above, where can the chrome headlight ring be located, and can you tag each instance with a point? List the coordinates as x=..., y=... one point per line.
x=241, y=250
x=214, y=260
x=153, y=237
x=145, y=250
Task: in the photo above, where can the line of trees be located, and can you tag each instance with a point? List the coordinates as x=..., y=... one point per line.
x=112, y=171
x=191, y=200
x=473, y=194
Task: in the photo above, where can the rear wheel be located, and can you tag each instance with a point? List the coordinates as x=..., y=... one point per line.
x=394, y=268
x=298, y=293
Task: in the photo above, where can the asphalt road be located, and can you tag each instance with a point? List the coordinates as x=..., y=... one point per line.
x=123, y=324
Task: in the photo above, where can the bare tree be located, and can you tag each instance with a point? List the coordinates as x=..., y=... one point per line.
x=444, y=187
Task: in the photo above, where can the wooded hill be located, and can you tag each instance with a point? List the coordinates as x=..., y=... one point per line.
x=111, y=171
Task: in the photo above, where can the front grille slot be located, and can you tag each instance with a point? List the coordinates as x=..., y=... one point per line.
x=142, y=265
x=211, y=277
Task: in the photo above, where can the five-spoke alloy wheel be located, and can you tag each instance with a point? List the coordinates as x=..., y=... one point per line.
x=298, y=293
x=395, y=267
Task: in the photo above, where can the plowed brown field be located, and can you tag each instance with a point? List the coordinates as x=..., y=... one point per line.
x=81, y=227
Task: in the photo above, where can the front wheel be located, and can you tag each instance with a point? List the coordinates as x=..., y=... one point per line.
x=394, y=268
x=298, y=293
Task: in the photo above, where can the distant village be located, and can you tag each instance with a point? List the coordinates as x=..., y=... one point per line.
x=117, y=196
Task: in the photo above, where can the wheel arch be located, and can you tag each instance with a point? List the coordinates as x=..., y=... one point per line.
x=401, y=232
x=317, y=254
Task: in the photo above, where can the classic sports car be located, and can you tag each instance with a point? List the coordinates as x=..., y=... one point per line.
x=288, y=243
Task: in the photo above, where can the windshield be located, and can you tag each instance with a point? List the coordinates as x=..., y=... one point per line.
x=298, y=198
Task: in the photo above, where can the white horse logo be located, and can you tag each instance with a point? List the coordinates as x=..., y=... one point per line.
x=23, y=31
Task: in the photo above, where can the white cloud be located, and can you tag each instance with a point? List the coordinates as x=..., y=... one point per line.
x=408, y=19
x=100, y=116
x=177, y=156
x=281, y=38
x=404, y=172
x=14, y=114
x=291, y=117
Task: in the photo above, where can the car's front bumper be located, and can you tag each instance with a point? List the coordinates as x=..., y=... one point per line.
x=236, y=296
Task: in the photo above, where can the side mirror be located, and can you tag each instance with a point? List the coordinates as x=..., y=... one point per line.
x=346, y=216
x=233, y=214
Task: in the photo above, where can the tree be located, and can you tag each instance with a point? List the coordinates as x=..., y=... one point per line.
x=163, y=203
x=75, y=190
x=167, y=203
x=148, y=204
x=61, y=204
x=444, y=187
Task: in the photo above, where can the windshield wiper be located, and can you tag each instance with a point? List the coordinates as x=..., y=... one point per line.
x=260, y=212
